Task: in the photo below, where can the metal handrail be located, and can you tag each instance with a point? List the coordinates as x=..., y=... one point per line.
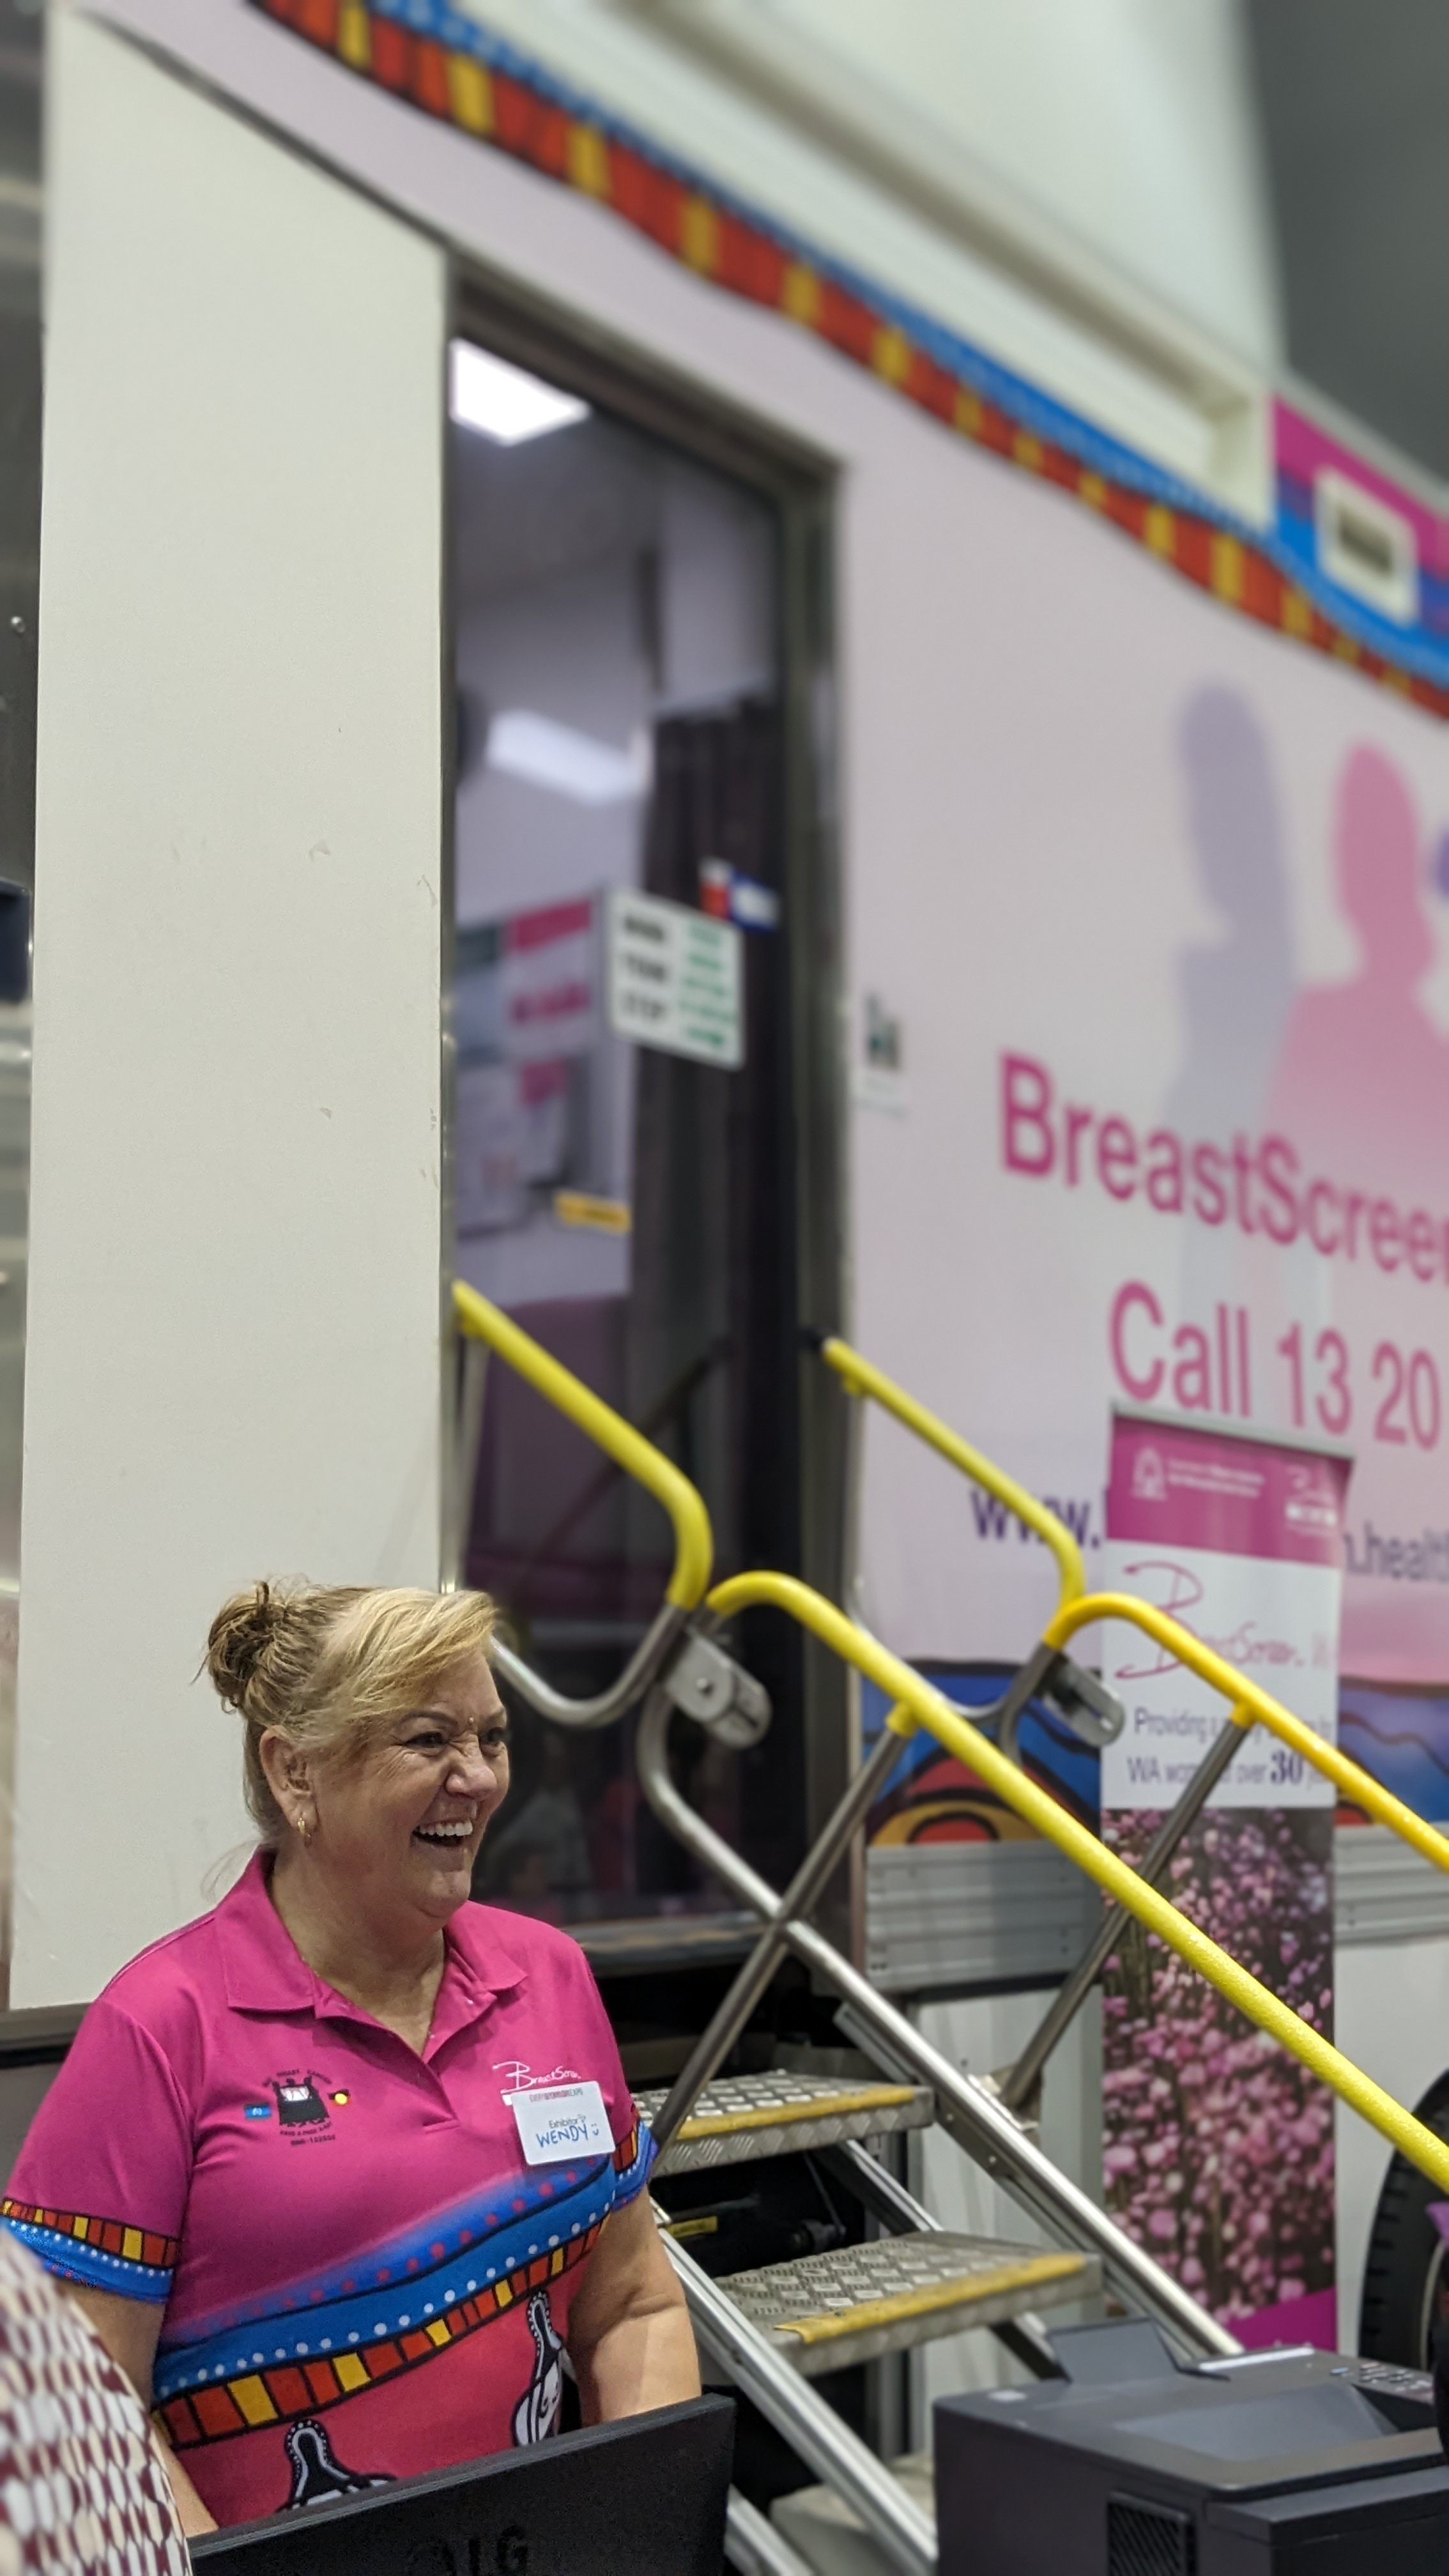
x=916, y=1703
x=1248, y=1707
x=693, y=1539
x=859, y=1376
x=1075, y=1609
x=1251, y=1706
x=968, y=2110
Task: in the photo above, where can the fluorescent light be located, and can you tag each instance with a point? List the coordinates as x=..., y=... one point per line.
x=574, y=764
x=503, y=401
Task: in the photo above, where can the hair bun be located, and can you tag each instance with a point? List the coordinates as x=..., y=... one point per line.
x=243, y=1629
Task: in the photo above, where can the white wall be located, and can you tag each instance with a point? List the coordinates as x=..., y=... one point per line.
x=234, y=1316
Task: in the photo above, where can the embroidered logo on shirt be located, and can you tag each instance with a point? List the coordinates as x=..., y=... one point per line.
x=304, y=2102
x=299, y=2104
x=517, y=2077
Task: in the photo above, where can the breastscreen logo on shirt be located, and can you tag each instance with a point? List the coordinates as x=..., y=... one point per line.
x=304, y=2104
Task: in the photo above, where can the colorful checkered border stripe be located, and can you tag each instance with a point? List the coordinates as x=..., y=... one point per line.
x=104, y=2252
x=255, y=2398
x=632, y=2159
x=447, y=65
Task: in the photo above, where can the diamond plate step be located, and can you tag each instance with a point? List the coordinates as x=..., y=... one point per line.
x=852, y=2305
x=739, y=2118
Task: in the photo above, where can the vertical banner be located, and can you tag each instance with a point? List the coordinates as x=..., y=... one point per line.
x=1218, y=2147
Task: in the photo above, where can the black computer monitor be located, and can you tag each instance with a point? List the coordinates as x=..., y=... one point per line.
x=646, y=2495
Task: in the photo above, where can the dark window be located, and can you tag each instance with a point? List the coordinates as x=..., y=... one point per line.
x=620, y=734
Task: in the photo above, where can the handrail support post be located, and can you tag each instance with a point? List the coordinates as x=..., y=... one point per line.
x=1019, y=2087
x=801, y=1896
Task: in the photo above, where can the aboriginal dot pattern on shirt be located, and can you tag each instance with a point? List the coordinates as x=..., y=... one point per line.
x=81, y=2487
x=311, y=2375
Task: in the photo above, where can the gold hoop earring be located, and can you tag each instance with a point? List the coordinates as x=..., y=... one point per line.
x=305, y=1828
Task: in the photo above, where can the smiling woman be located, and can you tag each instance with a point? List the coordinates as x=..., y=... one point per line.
x=342, y=2171
x=381, y=1708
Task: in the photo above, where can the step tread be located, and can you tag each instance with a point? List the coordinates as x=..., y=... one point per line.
x=901, y=2290
x=740, y=2117
x=821, y=2526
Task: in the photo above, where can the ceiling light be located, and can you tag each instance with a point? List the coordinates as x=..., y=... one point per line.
x=524, y=745
x=504, y=402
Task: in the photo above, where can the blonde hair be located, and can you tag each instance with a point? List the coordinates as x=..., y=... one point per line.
x=327, y=1664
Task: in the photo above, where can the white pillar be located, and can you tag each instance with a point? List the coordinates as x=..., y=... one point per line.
x=234, y=1290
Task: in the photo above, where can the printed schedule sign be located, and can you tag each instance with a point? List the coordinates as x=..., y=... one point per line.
x=1218, y=2149
x=676, y=979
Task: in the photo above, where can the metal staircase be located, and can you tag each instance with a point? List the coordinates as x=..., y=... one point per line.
x=912, y=2282
x=772, y=2330
x=901, y=2280
x=827, y=2309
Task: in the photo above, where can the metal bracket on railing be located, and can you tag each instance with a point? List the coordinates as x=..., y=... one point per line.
x=699, y=1677
x=1084, y=1704
x=1250, y=1705
x=1094, y=1714
x=709, y=1686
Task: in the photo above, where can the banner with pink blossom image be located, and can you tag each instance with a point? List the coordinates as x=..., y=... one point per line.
x=1218, y=2147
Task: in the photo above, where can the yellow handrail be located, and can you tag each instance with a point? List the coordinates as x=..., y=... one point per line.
x=862, y=1378
x=918, y=1704
x=1253, y=1707
x=693, y=1538
x=1250, y=1706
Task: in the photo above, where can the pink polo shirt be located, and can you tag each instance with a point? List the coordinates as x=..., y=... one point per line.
x=362, y=2276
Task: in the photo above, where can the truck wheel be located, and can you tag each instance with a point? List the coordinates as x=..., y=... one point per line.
x=1405, y=2281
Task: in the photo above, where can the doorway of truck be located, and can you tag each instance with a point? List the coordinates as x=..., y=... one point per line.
x=646, y=1180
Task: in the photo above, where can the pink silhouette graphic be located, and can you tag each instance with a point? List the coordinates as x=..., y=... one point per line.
x=1362, y=1083
x=1237, y=989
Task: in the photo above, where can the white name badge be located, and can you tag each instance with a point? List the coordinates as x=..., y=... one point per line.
x=557, y=2121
